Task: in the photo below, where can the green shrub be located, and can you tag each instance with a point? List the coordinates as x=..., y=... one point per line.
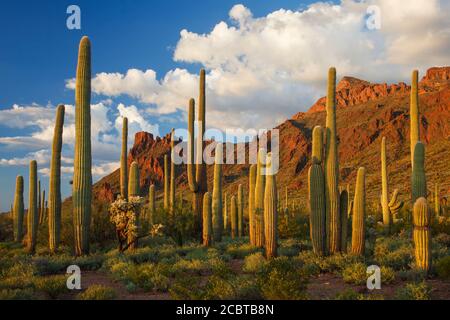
x=414, y=291
x=254, y=263
x=187, y=288
x=53, y=286
x=387, y=275
x=396, y=253
x=443, y=268
x=355, y=273
x=240, y=251
x=98, y=292
x=17, y=294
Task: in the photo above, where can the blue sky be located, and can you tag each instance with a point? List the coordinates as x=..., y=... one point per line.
x=264, y=64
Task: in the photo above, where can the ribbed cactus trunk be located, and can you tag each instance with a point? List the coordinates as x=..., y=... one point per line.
x=217, y=218
x=207, y=221
x=270, y=212
x=418, y=179
x=151, y=204
x=385, y=186
x=33, y=214
x=316, y=187
x=54, y=196
x=437, y=204
x=234, y=217
x=43, y=211
x=259, y=199
x=39, y=202
x=18, y=210
x=359, y=214
x=422, y=234
x=82, y=178
x=124, y=161
x=241, y=210
x=414, y=113
x=172, y=195
x=166, y=183
x=344, y=219
x=134, y=190
x=226, y=216
x=395, y=204
x=332, y=170
x=251, y=203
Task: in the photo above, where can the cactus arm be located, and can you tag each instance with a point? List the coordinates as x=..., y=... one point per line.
x=414, y=113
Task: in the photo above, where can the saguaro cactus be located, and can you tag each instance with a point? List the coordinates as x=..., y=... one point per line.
x=82, y=178
x=344, y=219
x=395, y=205
x=332, y=170
x=172, y=172
x=124, y=161
x=270, y=211
x=234, y=217
x=251, y=202
x=207, y=220
x=414, y=113
x=33, y=214
x=437, y=205
x=226, y=218
x=359, y=214
x=317, y=196
x=259, y=199
x=39, y=201
x=217, y=218
x=241, y=210
x=166, y=183
x=18, y=210
x=151, y=204
x=134, y=191
x=418, y=178
x=198, y=179
x=54, y=196
x=422, y=234
x=384, y=186
x=43, y=211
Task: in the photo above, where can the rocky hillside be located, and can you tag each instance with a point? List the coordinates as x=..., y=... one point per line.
x=366, y=112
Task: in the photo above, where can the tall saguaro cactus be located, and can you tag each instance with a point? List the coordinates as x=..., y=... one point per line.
x=82, y=178
x=39, y=201
x=241, y=210
x=172, y=194
x=359, y=214
x=251, y=202
x=151, y=204
x=418, y=178
x=197, y=178
x=226, y=216
x=385, y=186
x=43, y=211
x=414, y=113
x=234, y=217
x=344, y=219
x=270, y=212
x=317, y=195
x=207, y=220
x=217, y=218
x=422, y=234
x=54, y=196
x=166, y=183
x=259, y=199
x=134, y=191
x=18, y=210
x=332, y=169
x=33, y=214
x=124, y=161
x=437, y=205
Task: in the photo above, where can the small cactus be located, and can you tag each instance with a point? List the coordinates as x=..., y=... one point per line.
x=234, y=218
x=418, y=178
x=18, y=210
x=422, y=234
x=124, y=161
x=359, y=214
x=207, y=220
x=251, y=202
x=33, y=214
x=217, y=218
x=151, y=204
x=134, y=191
x=270, y=212
x=240, y=211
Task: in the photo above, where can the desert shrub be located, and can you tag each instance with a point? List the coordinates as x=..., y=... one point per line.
x=17, y=294
x=355, y=273
x=254, y=263
x=292, y=226
x=196, y=266
x=290, y=247
x=187, y=288
x=143, y=255
x=351, y=294
x=387, y=275
x=442, y=239
x=240, y=251
x=6, y=228
x=102, y=230
x=443, y=268
x=334, y=264
x=218, y=288
x=415, y=275
x=98, y=292
x=283, y=279
x=53, y=286
x=147, y=276
x=396, y=253
x=414, y=291
x=197, y=253
x=220, y=268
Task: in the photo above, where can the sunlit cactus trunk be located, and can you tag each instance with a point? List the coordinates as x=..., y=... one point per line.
x=82, y=178
x=251, y=202
x=259, y=199
x=422, y=234
x=151, y=204
x=240, y=210
x=18, y=210
x=54, y=196
x=217, y=218
x=42, y=212
x=234, y=217
x=124, y=161
x=437, y=204
x=384, y=186
x=418, y=178
x=134, y=190
x=172, y=194
x=332, y=170
x=226, y=214
x=359, y=214
x=344, y=219
x=414, y=114
x=166, y=183
x=33, y=214
x=39, y=201
x=207, y=221
x=270, y=212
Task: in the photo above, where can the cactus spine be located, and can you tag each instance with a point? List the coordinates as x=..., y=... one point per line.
x=207, y=220
x=217, y=218
x=384, y=186
x=359, y=214
x=166, y=183
x=344, y=219
x=82, y=178
x=33, y=214
x=317, y=195
x=18, y=210
x=241, y=210
x=234, y=217
x=172, y=195
x=422, y=234
x=414, y=113
x=418, y=179
x=124, y=161
x=259, y=199
x=134, y=191
x=270, y=212
x=332, y=169
x=151, y=204
x=54, y=196
x=251, y=202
